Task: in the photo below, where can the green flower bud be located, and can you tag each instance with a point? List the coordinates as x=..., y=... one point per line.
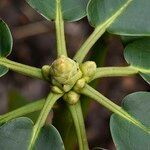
x=56, y=83
x=72, y=81
x=66, y=72
x=88, y=69
x=79, y=85
x=67, y=87
x=71, y=97
x=56, y=89
x=45, y=72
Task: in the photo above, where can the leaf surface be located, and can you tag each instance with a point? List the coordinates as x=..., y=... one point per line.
x=3, y=70
x=125, y=134
x=49, y=139
x=137, y=54
x=16, y=135
x=5, y=44
x=72, y=10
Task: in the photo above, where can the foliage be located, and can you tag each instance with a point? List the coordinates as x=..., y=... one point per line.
x=70, y=78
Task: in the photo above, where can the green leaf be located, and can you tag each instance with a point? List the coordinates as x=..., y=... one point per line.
x=146, y=77
x=72, y=10
x=3, y=70
x=5, y=39
x=16, y=134
x=122, y=17
x=137, y=54
x=49, y=139
x=5, y=44
x=128, y=39
x=126, y=135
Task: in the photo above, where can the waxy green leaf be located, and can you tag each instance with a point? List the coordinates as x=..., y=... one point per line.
x=137, y=54
x=16, y=135
x=122, y=17
x=146, y=77
x=5, y=39
x=126, y=135
x=5, y=44
x=49, y=139
x=3, y=70
x=72, y=10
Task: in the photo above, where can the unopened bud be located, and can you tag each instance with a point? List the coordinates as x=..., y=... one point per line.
x=88, y=69
x=56, y=89
x=46, y=72
x=79, y=85
x=71, y=97
x=66, y=72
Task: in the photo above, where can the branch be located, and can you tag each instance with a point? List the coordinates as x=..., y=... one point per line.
x=77, y=116
x=87, y=45
x=92, y=93
x=114, y=72
x=60, y=33
x=29, y=108
x=50, y=101
x=21, y=68
x=98, y=32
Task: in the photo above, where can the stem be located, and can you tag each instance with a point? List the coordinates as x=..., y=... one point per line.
x=114, y=71
x=77, y=116
x=92, y=93
x=60, y=33
x=87, y=45
x=29, y=108
x=21, y=68
x=99, y=30
x=50, y=101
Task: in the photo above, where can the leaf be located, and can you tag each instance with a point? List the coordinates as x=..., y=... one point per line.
x=72, y=10
x=5, y=39
x=16, y=134
x=146, y=77
x=128, y=39
x=49, y=139
x=126, y=135
x=5, y=44
x=137, y=54
x=3, y=70
x=122, y=17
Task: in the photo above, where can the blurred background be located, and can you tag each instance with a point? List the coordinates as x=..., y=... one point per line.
x=35, y=45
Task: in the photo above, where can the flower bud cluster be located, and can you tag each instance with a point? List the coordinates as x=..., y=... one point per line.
x=68, y=77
